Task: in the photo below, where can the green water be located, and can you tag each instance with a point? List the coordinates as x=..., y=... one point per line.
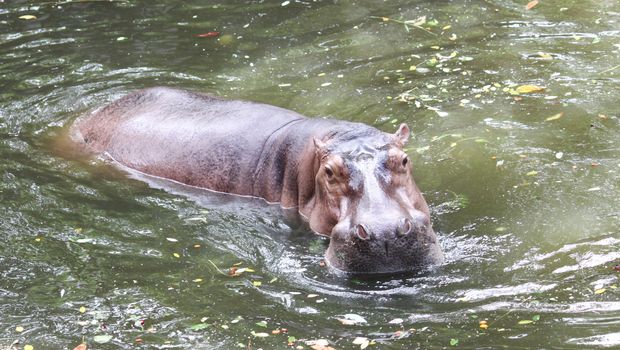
x=527, y=209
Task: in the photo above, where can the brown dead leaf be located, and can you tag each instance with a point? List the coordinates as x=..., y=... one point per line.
x=81, y=347
x=530, y=5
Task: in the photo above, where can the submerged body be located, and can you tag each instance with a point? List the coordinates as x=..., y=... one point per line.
x=351, y=181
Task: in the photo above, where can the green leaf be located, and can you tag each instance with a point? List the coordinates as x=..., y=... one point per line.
x=526, y=321
x=199, y=326
x=102, y=339
x=535, y=318
x=262, y=324
x=291, y=339
x=454, y=342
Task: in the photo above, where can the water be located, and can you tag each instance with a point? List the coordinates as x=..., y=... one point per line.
x=527, y=209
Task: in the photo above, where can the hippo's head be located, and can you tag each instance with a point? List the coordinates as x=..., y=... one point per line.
x=368, y=204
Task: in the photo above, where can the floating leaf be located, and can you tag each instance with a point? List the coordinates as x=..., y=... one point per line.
x=360, y=340
x=545, y=56
x=291, y=339
x=170, y=239
x=260, y=334
x=28, y=347
x=81, y=347
x=257, y=283
x=319, y=344
x=199, y=326
x=600, y=291
x=262, y=324
x=19, y=329
x=82, y=309
x=208, y=35
x=102, y=339
x=555, y=116
x=454, y=342
x=532, y=173
x=363, y=342
x=526, y=322
x=416, y=22
x=28, y=17
x=432, y=62
x=351, y=319
x=527, y=89
x=536, y=318
x=530, y=5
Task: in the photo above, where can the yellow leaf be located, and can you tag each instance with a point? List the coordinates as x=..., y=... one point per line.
x=82, y=309
x=19, y=329
x=555, y=116
x=28, y=347
x=600, y=291
x=176, y=255
x=412, y=68
x=532, y=173
x=385, y=19
x=27, y=17
x=545, y=56
x=526, y=89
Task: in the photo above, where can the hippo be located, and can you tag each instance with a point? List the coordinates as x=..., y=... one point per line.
x=351, y=182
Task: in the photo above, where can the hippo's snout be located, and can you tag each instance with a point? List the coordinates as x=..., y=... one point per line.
x=401, y=228
x=385, y=245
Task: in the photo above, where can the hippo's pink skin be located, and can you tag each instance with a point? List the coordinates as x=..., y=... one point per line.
x=351, y=181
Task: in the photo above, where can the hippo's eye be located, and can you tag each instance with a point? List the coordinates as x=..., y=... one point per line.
x=329, y=172
x=405, y=161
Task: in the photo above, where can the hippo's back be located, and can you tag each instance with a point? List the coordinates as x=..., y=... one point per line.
x=189, y=137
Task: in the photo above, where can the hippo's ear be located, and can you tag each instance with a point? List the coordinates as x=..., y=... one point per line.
x=403, y=133
x=320, y=147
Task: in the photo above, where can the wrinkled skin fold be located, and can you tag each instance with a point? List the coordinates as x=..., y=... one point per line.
x=352, y=182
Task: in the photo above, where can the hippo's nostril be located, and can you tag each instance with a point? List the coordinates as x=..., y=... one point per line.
x=361, y=232
x=404, y=226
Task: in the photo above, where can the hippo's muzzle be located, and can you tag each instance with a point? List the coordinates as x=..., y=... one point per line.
x=384, y=246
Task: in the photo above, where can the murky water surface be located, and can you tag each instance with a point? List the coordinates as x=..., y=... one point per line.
x=524, y=188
